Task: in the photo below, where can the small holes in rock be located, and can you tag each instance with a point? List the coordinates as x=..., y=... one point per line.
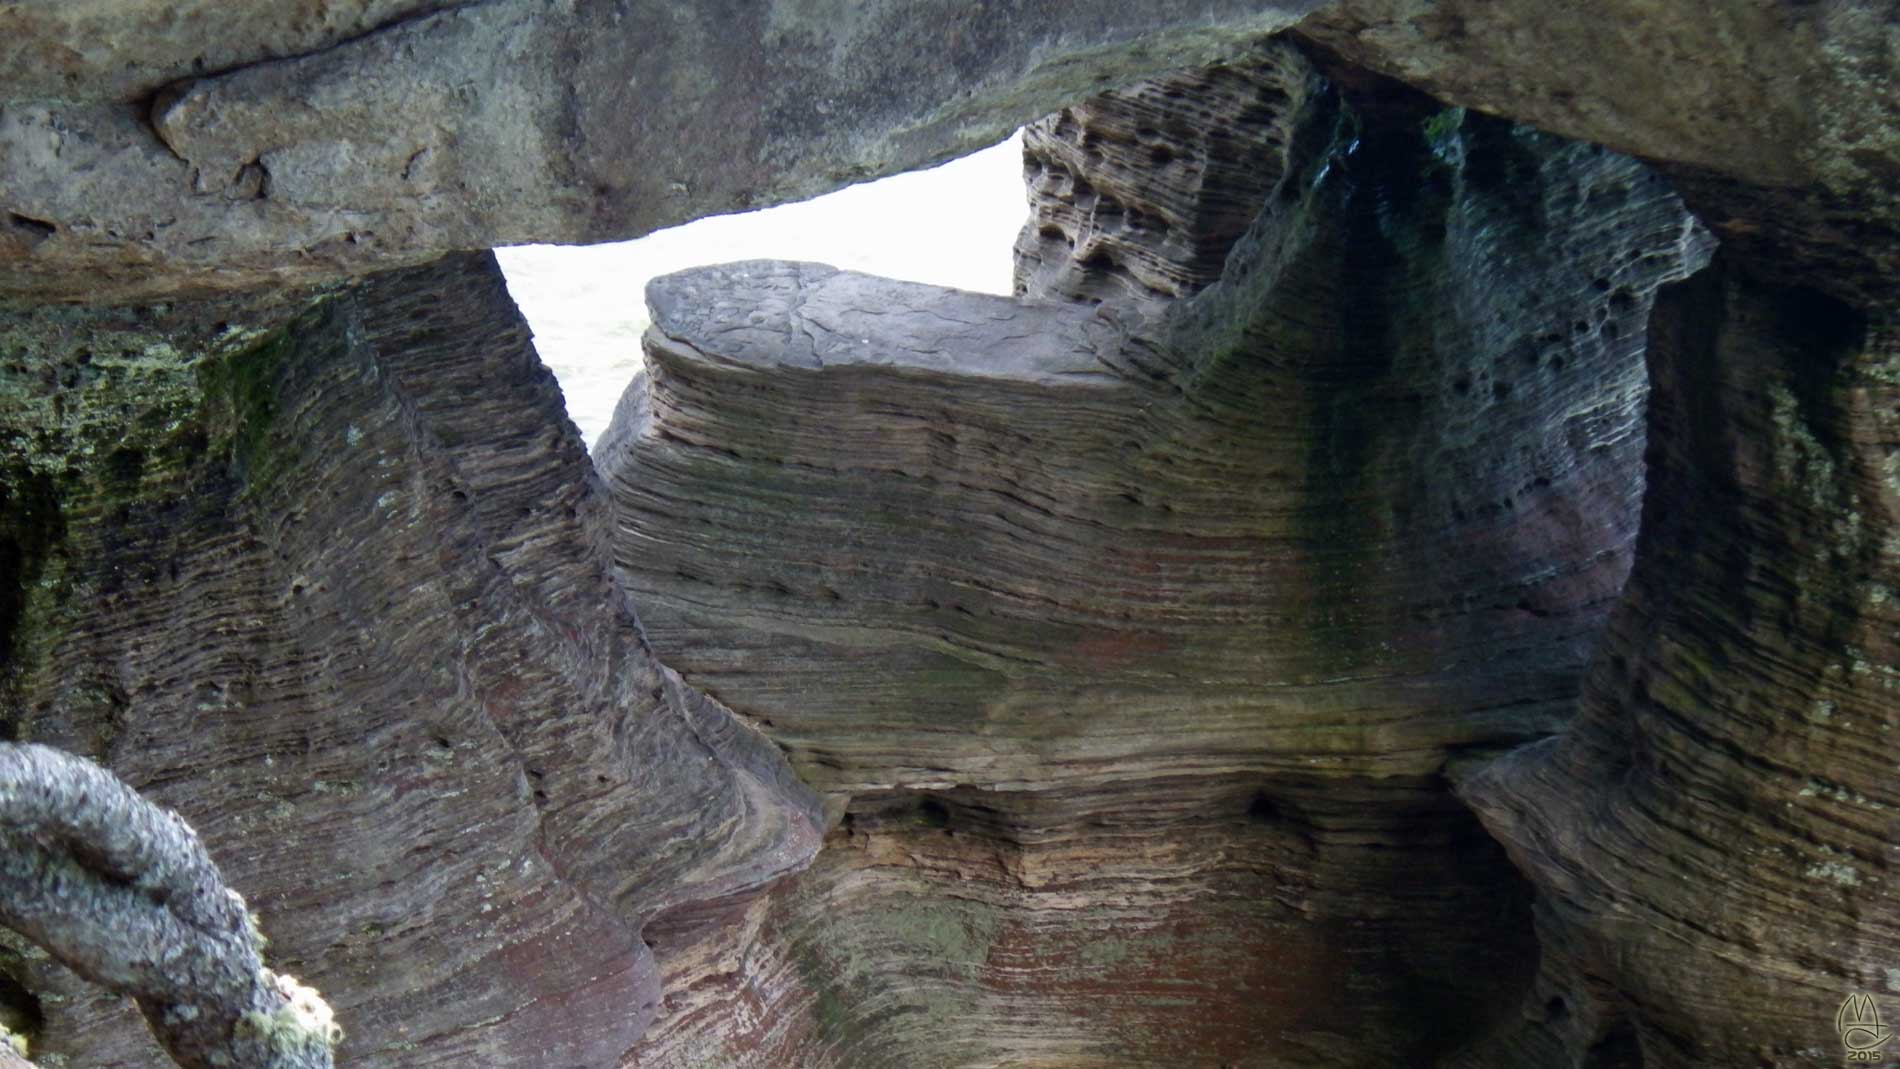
x=1262, y=810
x=933, y=813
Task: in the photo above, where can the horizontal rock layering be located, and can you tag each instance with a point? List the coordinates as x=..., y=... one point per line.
x=1130, y=647
x=327, y=573
x=1129, y=640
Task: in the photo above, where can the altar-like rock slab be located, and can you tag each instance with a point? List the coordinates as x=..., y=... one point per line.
x=1129, y=642
x=328, y=573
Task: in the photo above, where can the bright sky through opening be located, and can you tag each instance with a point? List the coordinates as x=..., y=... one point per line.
x=952, y=225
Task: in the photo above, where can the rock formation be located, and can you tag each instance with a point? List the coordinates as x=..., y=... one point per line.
x=1137, y=638
x=327, y=574
x=149, y=148
x=1219, y=654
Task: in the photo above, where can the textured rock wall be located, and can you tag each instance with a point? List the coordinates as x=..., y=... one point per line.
x=1777, y=120
x=1140, y=192
x=1128, y=640
x=1131, y=645
x=328, y=574
x=1716, y=838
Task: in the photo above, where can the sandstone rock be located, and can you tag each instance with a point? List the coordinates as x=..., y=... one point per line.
x=1716, y=838
x=439, y=127
x=1141, y=191
x=1129, y=641
x=328, y=574
x=1133, y=645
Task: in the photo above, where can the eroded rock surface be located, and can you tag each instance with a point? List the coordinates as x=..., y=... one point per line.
x=1129, y=641
x=328, y=574
x=1716, y=838
x=1132, y=645
x=1141, y=192
x=1779, y=121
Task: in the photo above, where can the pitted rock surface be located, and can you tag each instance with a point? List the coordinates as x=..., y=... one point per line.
x=1716, y=839
x=1141, y=192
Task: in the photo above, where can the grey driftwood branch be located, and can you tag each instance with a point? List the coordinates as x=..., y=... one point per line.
x=123, y=893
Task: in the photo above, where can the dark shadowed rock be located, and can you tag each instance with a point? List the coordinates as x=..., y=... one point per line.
x=1778, y=120
x=1715, y=839
x=390, y=133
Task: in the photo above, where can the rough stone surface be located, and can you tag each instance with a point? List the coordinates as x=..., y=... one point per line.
x=1132, y=646
x=1716, y=839
x=441, y=127
x=1781, y=121
x=1140, y=192
x=1129, y=640
x=328, y=575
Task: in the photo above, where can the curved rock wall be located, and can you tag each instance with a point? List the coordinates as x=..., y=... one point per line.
x=1716, y=838
x=1129, y=639
x=327, y=574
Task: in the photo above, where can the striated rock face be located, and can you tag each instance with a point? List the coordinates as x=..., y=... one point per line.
x=1777, y=120
x=1129, y=641
x=328, y=574
x=296, y=142
x=1140, y=192
x=1716, y=838
x=1218, y=656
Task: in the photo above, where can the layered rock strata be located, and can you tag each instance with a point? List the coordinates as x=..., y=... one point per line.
x=1135, y=731
x=1129, y=640
x=1716, y=838
x=328, y=574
